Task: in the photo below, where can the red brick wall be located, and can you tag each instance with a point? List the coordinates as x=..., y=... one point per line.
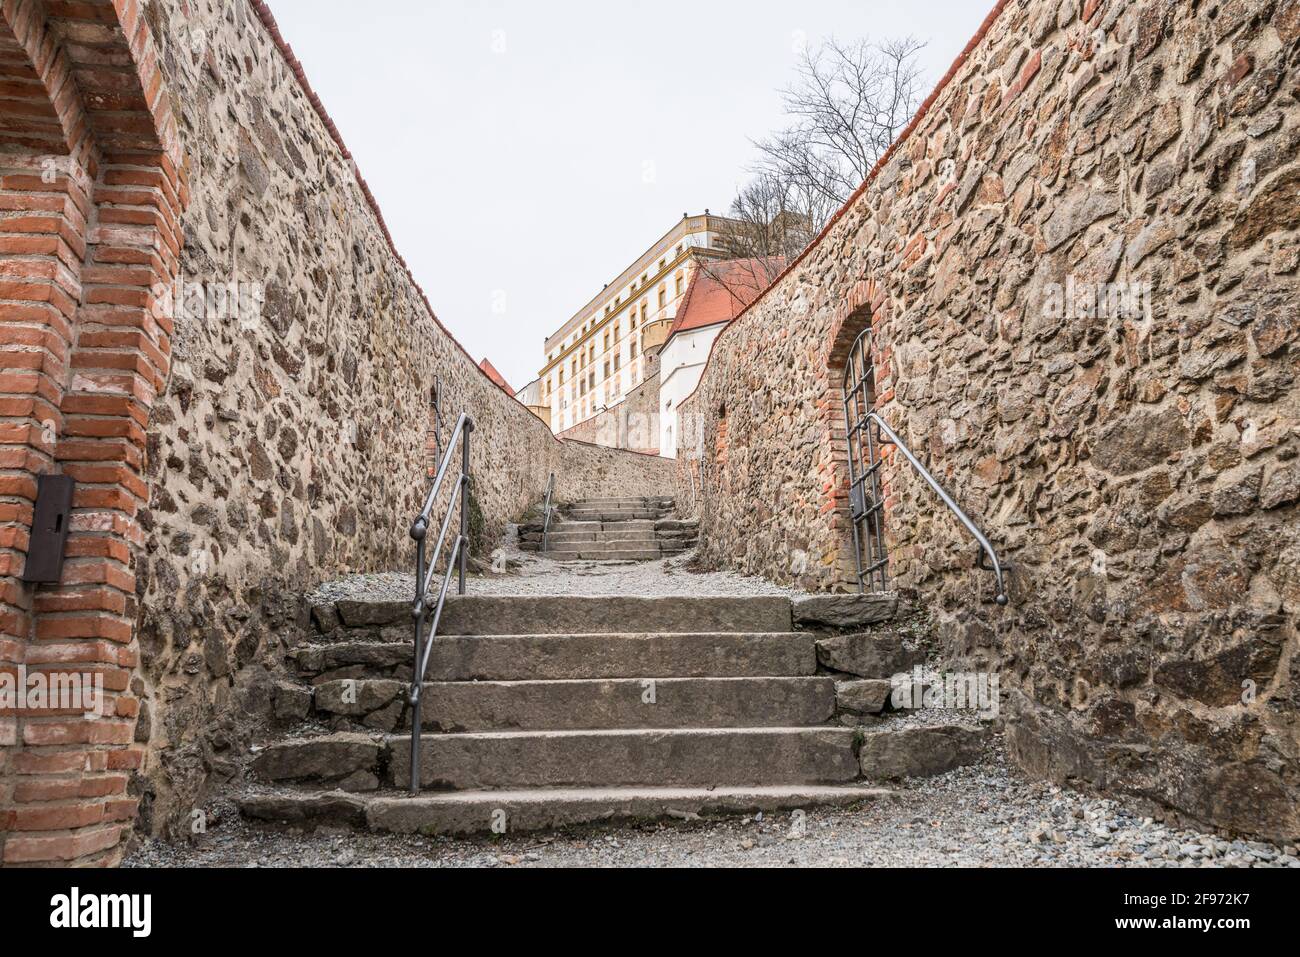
x=90, y=197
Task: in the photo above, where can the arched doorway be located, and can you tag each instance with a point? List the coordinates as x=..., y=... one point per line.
x=866, y=501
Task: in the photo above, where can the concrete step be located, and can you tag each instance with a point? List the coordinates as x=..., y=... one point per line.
x=576, y=656
x=539, y=809
x=554, y=615
x=624, y=758
x=591, y=704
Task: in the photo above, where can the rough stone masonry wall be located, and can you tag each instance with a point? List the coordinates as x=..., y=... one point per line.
x=1138, y=466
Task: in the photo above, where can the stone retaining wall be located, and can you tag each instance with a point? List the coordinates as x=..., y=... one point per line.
x=1135, y=460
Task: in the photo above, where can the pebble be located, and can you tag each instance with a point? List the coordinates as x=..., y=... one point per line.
x=987, y=815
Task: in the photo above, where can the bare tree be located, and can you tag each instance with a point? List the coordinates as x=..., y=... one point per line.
x=847, y=105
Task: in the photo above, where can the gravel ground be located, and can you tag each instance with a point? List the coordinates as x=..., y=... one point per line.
x=982, y=816
x=527, y=573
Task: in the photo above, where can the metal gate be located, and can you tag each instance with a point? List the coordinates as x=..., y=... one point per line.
x=866, y=504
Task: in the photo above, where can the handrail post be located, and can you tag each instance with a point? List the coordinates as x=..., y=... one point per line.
x=464, y=503
x=427, y=615
x=546, y=522
x=416, y=707
x=419, y=531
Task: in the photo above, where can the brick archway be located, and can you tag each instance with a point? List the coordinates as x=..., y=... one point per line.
x=864, y=307
x=90, y=199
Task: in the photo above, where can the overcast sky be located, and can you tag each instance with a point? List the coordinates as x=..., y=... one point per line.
x=525, y=152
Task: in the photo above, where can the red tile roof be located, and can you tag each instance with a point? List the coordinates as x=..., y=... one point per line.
x=720, y=291
x=491, y=372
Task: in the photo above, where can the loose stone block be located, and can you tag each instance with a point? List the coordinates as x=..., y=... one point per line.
x=920, y=752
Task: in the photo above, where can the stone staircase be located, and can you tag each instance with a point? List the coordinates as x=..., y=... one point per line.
x=542, y=712
x=613, y=529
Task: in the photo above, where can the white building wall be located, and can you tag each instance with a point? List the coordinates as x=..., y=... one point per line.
x=667, y=267
x=680, y=367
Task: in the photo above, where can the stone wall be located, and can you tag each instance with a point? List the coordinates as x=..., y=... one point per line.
x=1080, y=269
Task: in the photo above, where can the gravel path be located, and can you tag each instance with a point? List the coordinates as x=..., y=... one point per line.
x=983, y=816
x=527, y=573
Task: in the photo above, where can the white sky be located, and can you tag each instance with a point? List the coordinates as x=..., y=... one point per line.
x=525, y=152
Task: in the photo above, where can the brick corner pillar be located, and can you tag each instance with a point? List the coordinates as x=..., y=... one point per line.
x=91, y=194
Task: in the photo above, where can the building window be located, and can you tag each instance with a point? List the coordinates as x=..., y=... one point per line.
x=663, y=297
x=679, y=284
x=618, y=361
x=633, y=347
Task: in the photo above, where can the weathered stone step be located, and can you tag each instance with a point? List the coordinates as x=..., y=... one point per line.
x=598, y=554
x=614, y=515
x=539, y=809
x=575, y=656
x=605, y=503
x=686, y=757
x=591, y=704
x=603, y=536
x=554, y=615
x=563, y=528
x=560, y=614
x=645, y=543
x=693, y=757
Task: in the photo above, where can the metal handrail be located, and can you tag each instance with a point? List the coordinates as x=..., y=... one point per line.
x=425, y=565
x=546, y=524
x=986, y=548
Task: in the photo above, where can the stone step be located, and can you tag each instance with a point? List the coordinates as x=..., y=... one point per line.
x=589, y=704
x=606, y=503
x=368, y=621
x=539, y=809
x=575, y=656
x=555, y=615
x=596, y=553
x=560, y=528
x=604, y=536
x=653, y=757
x=614, y=515
x=695, y=757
